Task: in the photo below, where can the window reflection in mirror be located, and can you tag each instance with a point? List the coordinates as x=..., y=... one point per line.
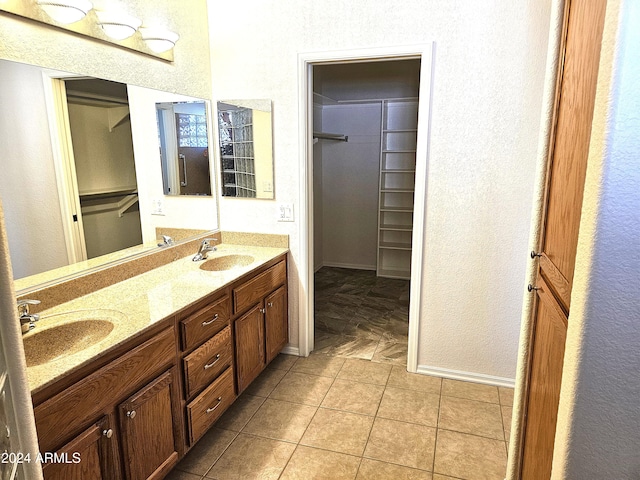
x=246, y=152
x=184, y=148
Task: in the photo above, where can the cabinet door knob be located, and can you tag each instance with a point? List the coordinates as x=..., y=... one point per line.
x=534, y=254
x=263, y=310
x=270, y=304
x=531, y=288
x=131, y=414
x=107, y=433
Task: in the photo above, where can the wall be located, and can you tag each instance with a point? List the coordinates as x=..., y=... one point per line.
x=489, y=72
x=350, y=173
x=103, y=158
x=28, y=183
x=598, y=429
x=318, y=230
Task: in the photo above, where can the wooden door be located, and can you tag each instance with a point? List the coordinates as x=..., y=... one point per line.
x=249, y=343
x=149, y=439
x=275, y=322
x=569, y=147
x=91, y=454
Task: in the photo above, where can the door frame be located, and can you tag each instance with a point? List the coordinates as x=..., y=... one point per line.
x=426, y=53
x=64, y=163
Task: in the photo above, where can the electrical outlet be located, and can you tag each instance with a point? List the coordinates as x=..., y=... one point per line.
x=157, y=206
x=267, y=186
x=285, y=212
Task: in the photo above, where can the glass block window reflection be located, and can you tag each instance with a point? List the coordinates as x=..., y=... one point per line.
x=192, y=130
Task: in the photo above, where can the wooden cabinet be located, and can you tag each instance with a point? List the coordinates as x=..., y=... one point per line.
x=149, y=445
x=91, y=454
x=567, y=164
x=262, y=331
x=249, y=340
x=123, y=416
x=276, y=324
x=140, y=390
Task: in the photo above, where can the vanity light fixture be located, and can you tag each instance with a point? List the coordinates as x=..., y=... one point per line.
x=66, y=11
x=158, y=39
x=118, y=25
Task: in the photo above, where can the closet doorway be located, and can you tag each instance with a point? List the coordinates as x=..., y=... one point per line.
x=364, y=136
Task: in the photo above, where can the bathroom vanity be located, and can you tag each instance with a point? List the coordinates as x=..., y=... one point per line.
x=133, y=410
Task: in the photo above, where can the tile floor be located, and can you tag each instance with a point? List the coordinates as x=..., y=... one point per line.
x=351, y=410
x=359, y=315
x=327, y=417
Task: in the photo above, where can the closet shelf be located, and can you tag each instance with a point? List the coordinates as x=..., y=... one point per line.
x=399, y=228
x=403, y=130
x=399, y=170
x=389, y=273
x=396, y=209
x=395, y=246
x=398, y=151
x=397, y=190
x=331, y=136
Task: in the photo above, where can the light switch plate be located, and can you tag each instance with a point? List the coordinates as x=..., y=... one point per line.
x=285, y=212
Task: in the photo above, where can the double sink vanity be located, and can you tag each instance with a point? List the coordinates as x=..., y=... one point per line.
x=129, y=377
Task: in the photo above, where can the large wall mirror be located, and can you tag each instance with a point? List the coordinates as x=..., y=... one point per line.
x=246, y=148
x=81, y=182
x=184, y=147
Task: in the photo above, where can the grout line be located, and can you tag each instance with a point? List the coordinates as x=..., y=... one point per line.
x=435, y=443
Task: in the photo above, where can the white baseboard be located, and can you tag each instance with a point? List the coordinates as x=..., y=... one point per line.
x=315, y=270
x=467, y=376
x=355, y=266
x=289, y=350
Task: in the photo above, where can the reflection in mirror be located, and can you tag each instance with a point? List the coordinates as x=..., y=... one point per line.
x=184, y=148
x=60, y=214
x=246, y=152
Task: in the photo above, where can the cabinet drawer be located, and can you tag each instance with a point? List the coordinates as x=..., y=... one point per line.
x=207, y=407
x=205, y=323
x=64, y=414
x=206, y=362
x=252, y=291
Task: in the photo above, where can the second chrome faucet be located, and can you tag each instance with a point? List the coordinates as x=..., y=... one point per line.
x=205, y=247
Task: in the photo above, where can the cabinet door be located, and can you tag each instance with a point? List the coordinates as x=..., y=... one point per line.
x=249, y=342
x=149, y=429
x=276, y=324
x=92, y=454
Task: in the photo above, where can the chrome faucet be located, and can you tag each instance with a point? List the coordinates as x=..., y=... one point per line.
x=167, y=241
x=27, y=320
x=205, y=247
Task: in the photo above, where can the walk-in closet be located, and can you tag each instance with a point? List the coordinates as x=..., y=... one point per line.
x=365, y=118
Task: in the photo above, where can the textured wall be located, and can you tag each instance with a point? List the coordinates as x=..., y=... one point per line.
x=489, y=75
x=43, y=45
x=599, y=426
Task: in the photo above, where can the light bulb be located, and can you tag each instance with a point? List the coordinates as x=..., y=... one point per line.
x=66, y=11
x=159, y=40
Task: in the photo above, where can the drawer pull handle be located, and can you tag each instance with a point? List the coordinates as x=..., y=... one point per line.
x=131, y=414
x=209, y=410
x=209, y=365
x=215, y=317
x=107, y=433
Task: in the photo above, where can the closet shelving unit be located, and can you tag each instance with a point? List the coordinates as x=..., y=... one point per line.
x=399, y=130
x=236, y=147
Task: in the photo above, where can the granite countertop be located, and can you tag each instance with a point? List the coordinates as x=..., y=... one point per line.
x=135, y=304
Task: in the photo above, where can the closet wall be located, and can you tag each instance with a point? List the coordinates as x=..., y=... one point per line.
x=348, y=102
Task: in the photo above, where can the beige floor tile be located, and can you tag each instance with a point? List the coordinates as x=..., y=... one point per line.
x=470, y=416
x=366, y=372
x=178, y=475
x=470, y=457
x=338, y=431
x=469, y=390
x=251, y=457
x=302, y=388
x=437, y=476
x=322, y=365
x=413, y=381
x=311, y=463
x=206, y=451
x=240, y=412
x=354, y=397
x=266, y=382
x=375, y=470
x=280, y=420
x=401, y=443
x=506, y=395
x=507, y=412
x=410, y=406
x=283, y=362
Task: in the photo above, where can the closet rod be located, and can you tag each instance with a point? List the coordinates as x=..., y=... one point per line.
x=331, y=136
